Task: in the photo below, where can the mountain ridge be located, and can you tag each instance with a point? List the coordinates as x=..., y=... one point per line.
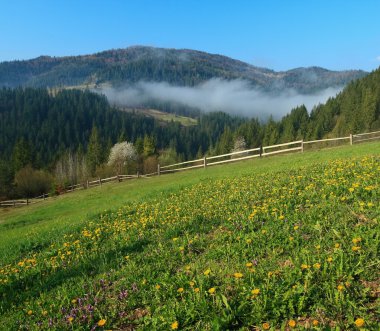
x=183, y=67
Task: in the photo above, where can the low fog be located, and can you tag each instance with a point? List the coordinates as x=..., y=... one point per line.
x=234, y=97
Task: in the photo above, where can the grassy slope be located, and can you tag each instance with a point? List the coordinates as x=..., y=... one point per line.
x=33, y=229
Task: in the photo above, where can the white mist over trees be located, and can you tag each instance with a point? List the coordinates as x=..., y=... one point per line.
x=236, y=97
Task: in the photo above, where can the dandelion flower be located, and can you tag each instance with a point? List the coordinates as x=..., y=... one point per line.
x=207, y=272
x=180, y=290
x=158, y=287
x=255, y=291
x=249, y=264
x=340, y=288
x=292, y=323
x=191, y=283
x=238, y=275
x=317, y=265
x=211, y=290
x=196, y=290
x=266, y=326
x=356, y=248
x=102, y=322
x=174, y=325
x=315, y=323
x=359, y=322
x=30, y=312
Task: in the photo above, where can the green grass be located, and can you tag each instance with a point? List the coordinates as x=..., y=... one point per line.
x=111, y=246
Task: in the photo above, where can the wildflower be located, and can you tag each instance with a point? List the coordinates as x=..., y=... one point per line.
x=70, y=319
x=174, y=325
x=356, y=248
x=317, y=265
x=351, y=189
x=291, y=238
x=315, y=323
x=196, y=290
x=207, y=272
x=337, y=245
x=74, y=301
x=281, y=217
x=102, y=322
x=30, y=312
x=340, y=288
x=158, y=287
x=359, y=322
x=264, y=231
x=187, y=267
x=126, y=257
x=211, y=290
x=296, y=227
x=255, y=291
x=356, y=240
x=304, y=266
x=191, y=283
x=180, y=290
x=248, y=241
x=238, y=275
x=249, y=264
x=266, y=326
x=44, y=312
x=329, y=259
x=318, y=247
x=292, y=323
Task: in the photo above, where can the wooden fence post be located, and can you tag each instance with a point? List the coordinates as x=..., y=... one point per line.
x=302, y=145
x=204, y=162
x=351, y=140
x=138, y=174
x=100, y=181
x=158, y=169
x=27, y=201
x=87, y=184
x=261, y=151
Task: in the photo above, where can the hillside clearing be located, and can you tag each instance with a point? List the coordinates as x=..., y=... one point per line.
x=285, y=241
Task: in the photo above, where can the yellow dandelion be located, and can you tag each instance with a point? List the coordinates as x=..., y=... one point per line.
x=355, y=248
x=329, y=259
x=248, y=241
x=196, y=290
x=212, y=290
x=207, y=272
x=266, y=326
x=317, y=265
x=255, y=291
x=70, y=319
x=359, y=322
x=174, y=325
x=102, y=322
x=340, y=288
x=180, y=290
x=304, y=266
x=337, y=245
x=356, y=240
x=30, y=312
x=249, y=264
x=296, y=227
x=191, y=283
x=238, y=275
x=315, y=323
x=281, y=217
x=158, y=286
x=292, y=323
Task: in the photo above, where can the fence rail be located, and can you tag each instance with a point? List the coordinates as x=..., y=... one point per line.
x=205, y=162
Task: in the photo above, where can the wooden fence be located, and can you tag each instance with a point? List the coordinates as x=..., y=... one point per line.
x=291, y=147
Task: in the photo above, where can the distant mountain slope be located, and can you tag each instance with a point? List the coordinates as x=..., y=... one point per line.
x=180, y=67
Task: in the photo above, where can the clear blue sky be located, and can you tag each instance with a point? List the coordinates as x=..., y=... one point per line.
x=283, y=34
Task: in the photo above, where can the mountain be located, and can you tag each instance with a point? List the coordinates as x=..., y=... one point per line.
x=182, y=67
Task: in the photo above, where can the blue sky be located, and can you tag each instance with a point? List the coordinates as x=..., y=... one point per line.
x=279, y=34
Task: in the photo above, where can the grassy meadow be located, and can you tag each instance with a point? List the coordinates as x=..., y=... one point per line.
x=287, y=242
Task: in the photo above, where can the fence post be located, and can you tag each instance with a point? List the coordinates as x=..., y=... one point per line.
x=158, y=169
x=138, y=174
x=204, y=162
x=100, y=181
x=87, y=184
x=14, y=203
x=261, y=151
x=27, y=201
x=302, y=145
x=351, y=140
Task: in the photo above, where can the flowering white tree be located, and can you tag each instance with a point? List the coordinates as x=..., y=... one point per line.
x=120, y=155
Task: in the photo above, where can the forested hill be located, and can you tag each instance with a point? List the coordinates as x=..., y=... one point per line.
x=356, y=109
x=179, y=67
